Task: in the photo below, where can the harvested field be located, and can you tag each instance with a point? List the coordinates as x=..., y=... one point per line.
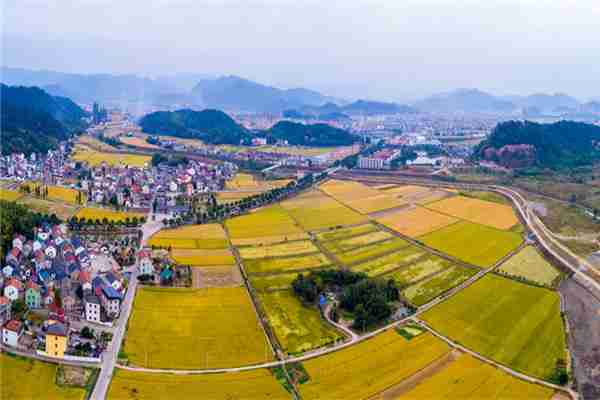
x=313, y=211
x=373, y=250
x=202, y=257
x=416, y=221
x=194, y=329
x=512, y=323
x=342, y=233
x=298, y=328
x=475, y=244
x=282, y=264
x=529, y=264
x=470, y=379
x=366, y=369
x=216, y=276
x=496, y=215
x=422, y=267
x=390, y=262
x=267, y=221
x=279, y=250
x=206, y=236
x=110, y=215
x=254, y=384
x=427, y=290
x=25, y=379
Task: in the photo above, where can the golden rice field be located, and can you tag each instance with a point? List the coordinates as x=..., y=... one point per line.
x=255, y=384
x=138, y=142
x=346, y=191
x=407, y=190
x=428, y=289
x=391, y=262
x=206, y=236
x=422, y=267
x=267, y=221
x=26, y=379
x=467, y=378
x=56, y=193
x=242, y=181
x=194, y=329
x=370, y=251
x=89, y=141
x=496, y=215
x=529, y=264
x=416, y=221
x=279, y=250
x=281, y=264
x=95, y=158
x=354, y=242
x=203, y=257
x=272, y=282
x=367, y=368
x=313, y=211
x=101, y=213
x=10, y=195
x=62, y=210
x=298, y=328
x=269, y=240
x=342, y=233
x=376, y=203
x=231, y=197
x=473, y=243
x=515, y=324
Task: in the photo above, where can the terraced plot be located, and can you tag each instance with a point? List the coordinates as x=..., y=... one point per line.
x=467, y=378
x=390, y=262
x=313, y=211
x=513, y=323
x=473, y=243
x=202, y=257
x=343, y=233
x=370, y=251
x=298, y=328
x=365, y=369
x=530, y=264
x=206, y=236
x=101, y=213
x=483, y=212
x=255, y=384
x=194, y=329
x=426, y=290
x=416, y=221
x=282, y=264
x=268, y=221
x=25, y=379
x=279, y=250
x=422, y=267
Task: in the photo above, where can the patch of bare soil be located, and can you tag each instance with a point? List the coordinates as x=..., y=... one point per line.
x=73, y=376
x=584, y=321
x=216, y=276
x=408, y=384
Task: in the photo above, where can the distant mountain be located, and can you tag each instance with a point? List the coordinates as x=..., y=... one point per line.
x=34, y=121
x=210, y=126
x=359, y=107
x=558, y=145
x=182, y=82
x=591, y=107
x=465, y=100
x=557, y=102
x=238, y=94
x=317, y=135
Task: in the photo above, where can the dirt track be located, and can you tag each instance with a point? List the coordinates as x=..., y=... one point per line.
x=583, y=313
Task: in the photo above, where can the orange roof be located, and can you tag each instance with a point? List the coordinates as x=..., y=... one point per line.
x=13, y=325
x=4, y=300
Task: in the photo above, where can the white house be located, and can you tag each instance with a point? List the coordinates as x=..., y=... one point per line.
x=50, y=251
x=13, y=289
x=146, y=266
x=11, y=332
x=92, y=308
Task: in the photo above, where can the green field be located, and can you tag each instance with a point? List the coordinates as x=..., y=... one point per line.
x=298, y=328
x=366, y=252
x=530, y=264
x=268, y=221
x=513, y=323
x=25, y=379
x=423, y=267
x=280, y=264
x=426, y=290
x=390, y=262
x=194, y=328
x=473, y=243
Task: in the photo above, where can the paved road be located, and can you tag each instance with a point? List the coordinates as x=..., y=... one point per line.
x=110, y=355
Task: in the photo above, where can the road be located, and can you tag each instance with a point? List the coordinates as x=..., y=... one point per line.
x=110, y=355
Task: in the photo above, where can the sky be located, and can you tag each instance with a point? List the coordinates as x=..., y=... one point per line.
x=396, y=50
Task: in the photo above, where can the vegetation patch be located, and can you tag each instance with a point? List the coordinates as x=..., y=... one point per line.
x=410, y=331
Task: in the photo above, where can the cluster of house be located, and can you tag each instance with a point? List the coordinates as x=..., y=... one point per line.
x=54, y=279
x=51, y=167
x=155, y=269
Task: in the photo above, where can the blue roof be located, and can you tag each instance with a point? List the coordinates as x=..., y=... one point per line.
x=110, y=292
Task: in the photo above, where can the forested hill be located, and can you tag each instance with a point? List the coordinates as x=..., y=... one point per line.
x=34, y=121
x=559, y=145
x=310, y=135
x=210, y=126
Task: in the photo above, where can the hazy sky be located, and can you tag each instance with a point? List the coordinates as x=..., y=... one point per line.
x=386, y=49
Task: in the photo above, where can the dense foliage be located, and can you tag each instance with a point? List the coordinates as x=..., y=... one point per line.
x=34, y=121
x=170, y=160
x=210, y=126
x=558, y=145
x=309, y=135
x=18, y=219
x=367, y=298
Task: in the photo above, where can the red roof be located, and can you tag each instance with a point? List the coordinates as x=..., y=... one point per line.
x=15, y=283
x=13, y=325
x=4, y=300
x=32, y=285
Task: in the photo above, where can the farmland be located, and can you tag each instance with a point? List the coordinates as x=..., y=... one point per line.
x=363, y=253
x=273, y=281
x=9, y=195
x=56, y=193
x=242, y=181
x=513, y=323
x=416, y=221
x=279, y=250
x=342, y=233
x=188, y=328
x=313, y=210
x=475, y=244
x=254, y=384
x=95, y=158
x=286, y=263
x=230, y=197
x=496, y=215
x=25, y=379
x=470, y=379
x=342, y=245
x=367, y=368
x=203, y=257
x=207, y=236
x=298, y=328
x=92, y=213
x=359, y=197
x=138, y=142
x=529, y=264
x=426, y=290
x=390, y=262
x=62, y=210
x=424, y=266
x=268, y=221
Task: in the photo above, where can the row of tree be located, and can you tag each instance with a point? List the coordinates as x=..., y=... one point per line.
x=76, y=223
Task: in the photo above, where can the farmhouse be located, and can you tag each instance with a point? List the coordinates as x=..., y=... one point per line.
x=11, y=332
